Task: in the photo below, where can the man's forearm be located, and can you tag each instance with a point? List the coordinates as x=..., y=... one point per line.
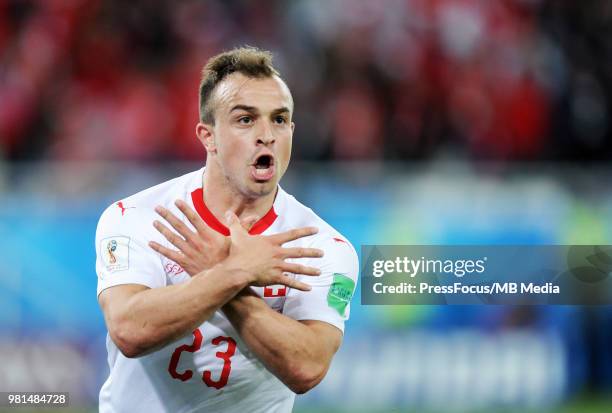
x=291, y=350
x=155, y=317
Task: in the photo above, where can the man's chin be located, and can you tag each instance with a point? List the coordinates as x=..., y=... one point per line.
x=262, y=188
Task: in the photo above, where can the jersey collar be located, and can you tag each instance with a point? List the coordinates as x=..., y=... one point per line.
x=211, y=220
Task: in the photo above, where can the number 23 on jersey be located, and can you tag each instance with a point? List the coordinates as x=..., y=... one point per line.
x=206, y=374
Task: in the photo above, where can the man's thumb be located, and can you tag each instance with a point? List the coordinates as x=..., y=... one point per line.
x=233, y=223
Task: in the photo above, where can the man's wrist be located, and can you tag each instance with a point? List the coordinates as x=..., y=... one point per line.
x=239, y=277
x=243, y=302
x=235, y=279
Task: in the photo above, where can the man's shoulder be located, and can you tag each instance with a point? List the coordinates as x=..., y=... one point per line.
x=299, y=215
x=140, y=206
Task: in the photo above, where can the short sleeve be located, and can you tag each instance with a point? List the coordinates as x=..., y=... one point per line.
x=122, y=252
x=332, y=291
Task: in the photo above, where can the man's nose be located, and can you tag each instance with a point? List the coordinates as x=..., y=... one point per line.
x=265, y=136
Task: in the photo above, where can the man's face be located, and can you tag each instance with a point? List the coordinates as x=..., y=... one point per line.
x=250, y=141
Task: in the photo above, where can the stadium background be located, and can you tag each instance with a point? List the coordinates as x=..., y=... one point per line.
x=418, y=122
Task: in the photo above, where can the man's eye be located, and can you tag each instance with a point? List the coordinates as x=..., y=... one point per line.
x=245, y=120
x=280, y=119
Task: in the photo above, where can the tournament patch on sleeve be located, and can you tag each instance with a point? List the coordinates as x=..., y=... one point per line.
x=340, y=293
x=115, y=253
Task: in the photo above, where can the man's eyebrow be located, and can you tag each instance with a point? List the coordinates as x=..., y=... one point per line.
x=253, y=109
x=246, y=108
x=278, y=111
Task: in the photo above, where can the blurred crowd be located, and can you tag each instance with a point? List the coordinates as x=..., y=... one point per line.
x=372, y=80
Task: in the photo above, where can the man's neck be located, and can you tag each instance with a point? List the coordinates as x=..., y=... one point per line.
x=220, y=197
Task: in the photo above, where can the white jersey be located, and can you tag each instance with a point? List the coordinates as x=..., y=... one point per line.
x=210, y=370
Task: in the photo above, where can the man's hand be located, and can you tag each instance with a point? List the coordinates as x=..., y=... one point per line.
x=197, y=251
x=262, y=258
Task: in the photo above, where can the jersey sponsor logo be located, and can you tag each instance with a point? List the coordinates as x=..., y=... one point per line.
x=123, y=208
x=340, y=293
x=115, y=253
x=275, y=291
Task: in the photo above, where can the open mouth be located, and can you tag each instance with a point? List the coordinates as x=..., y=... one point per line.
x=263, y=167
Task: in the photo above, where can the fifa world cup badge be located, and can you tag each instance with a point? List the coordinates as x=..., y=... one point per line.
x=115, y=253
x=111, y=247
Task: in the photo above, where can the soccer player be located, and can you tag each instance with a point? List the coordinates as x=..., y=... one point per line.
x=220, y=291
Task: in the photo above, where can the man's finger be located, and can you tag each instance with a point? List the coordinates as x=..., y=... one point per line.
x=293, y=283
x=293, y=234
x=176, y=223
x=192, y=216
x=172, y=237
x=166, y=252
x=233, y=223
x=299, y=269
x=302, y=252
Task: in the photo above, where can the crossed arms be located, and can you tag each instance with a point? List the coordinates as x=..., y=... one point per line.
x=141, y=319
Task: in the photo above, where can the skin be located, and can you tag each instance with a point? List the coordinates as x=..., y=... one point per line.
x=252, y=117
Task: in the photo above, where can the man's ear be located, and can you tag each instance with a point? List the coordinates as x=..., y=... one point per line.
x=206, y=135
